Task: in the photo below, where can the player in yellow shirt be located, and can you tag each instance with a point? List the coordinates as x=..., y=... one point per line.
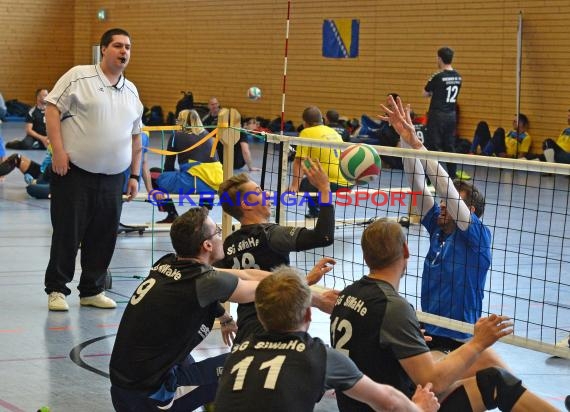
x=314, y=128
x=559, y=151
x=518, y=141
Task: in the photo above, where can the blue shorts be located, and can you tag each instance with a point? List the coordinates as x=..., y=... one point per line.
x=186, y=387
x=2, y=148
x=178, y=182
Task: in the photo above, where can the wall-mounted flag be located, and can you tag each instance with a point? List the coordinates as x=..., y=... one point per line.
x=340, y=38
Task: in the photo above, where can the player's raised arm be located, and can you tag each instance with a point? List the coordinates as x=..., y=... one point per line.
x=415, y=169
x=399, y=118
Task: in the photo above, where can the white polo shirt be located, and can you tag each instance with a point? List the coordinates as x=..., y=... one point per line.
x=98, y=119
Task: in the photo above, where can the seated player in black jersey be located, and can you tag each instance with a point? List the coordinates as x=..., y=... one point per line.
x=285, y=369
x=263, y=245
x=332, y=120
x=36, y=134
x=170, y=313
x=380, y=332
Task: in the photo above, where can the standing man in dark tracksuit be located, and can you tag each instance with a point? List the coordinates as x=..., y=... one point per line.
x=443, y=87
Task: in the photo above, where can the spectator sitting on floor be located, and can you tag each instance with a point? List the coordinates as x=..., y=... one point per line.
x=515, y=144
x=256, y=124
x=279, y=125
x=242, y=154
x=353, y=127
x=368, y=132
x=481, y=138
x=420, y=125
x=252, y=124
x=489, y=146
x=36, y=134
x=333, y=121
x=199, y=172
x=36, y=176
x=210, y=120
x=263, y=124
x=517, y=141
x=558, y=151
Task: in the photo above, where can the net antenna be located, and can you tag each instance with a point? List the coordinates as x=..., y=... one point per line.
x=286, y=146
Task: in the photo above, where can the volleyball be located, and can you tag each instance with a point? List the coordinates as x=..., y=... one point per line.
x=254, y=93
x=360, y=163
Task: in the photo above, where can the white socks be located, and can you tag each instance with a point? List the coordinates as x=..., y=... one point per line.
x=549, y=155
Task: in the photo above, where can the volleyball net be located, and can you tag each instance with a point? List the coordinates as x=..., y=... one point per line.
x=525, y=211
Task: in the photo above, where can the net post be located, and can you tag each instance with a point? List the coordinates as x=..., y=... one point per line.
x=229, y=121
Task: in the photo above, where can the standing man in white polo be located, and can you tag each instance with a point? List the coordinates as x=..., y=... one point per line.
x=93, y=122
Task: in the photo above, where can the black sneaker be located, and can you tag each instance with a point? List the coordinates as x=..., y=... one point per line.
x=168, y=219
x=10, y=164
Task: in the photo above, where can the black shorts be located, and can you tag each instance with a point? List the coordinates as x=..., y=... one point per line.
x=456, y=401
x=443, y=344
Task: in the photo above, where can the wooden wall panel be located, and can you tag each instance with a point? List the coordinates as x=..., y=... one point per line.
x=36, y=45
x=222, y=47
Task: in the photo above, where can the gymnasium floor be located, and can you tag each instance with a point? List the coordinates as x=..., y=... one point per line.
x=61, y=360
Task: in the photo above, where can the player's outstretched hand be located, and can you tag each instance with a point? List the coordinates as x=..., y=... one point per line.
x=425, y=399
x=490, y=329
x=326, y=300
x=400, y=119
x=323, y=266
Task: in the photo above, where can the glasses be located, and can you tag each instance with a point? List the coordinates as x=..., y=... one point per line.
x=218, y=232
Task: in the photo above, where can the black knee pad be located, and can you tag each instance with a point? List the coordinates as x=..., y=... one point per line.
x=508, y=388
